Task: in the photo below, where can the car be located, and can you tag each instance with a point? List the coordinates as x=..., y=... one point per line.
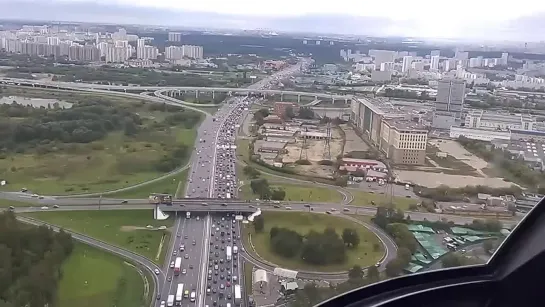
x=186, y=256
x=174, y=253
x=156, y=271
x=125, y=201
x=228, y=284
x=169, y=278
x=55, y=206
x=191, y=266
x=162, y=304
x=172, y=264
x=158, y=296
x=182, y=248
x=45, y=207
x=222, y=286
x=184, y=271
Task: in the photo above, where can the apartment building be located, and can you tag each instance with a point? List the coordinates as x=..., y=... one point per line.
x=404, y=141
x=185, y=51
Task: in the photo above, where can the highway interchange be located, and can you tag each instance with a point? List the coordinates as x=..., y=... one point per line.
x=200, y=240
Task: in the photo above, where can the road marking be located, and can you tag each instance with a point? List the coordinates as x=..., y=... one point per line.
x=204, y=257
x=181, y=222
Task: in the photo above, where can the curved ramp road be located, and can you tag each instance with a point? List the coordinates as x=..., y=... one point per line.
x=133, y=257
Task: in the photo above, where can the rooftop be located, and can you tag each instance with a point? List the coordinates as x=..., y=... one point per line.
x=404, y=124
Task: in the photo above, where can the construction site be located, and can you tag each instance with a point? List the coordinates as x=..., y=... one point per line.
x=308, y=145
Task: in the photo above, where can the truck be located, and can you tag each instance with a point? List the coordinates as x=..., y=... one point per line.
x=228, y=251
x=177, y=265
x=238, y=295
x=179, y=294
x=160, y=199
x=235, y=249
x=170, y=300
x=188, y=215
x=228, y=195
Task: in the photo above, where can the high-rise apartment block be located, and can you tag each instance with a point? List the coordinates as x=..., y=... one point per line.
x=450, y=96
x=434, y=62
x=185, y=51
x=174, y=37
x=406, y=66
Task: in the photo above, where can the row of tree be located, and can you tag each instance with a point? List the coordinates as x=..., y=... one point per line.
x=30, y=262
x=82, y=123
x=317, y=248
x=261, y=188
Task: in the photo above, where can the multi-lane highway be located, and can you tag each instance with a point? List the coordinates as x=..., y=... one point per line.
x=212, y=175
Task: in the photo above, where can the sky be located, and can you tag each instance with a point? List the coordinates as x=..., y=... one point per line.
x=434, y=11
x=428, y=18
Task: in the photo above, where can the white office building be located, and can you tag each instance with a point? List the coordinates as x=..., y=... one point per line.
x=481, y=119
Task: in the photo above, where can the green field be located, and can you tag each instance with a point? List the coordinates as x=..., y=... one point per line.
x=299, y=193
x=91, y=278
x=123, y=228
x=364, y=255
x=362, y=198
x=167, y=185
x=113, y=162
x=116, y=162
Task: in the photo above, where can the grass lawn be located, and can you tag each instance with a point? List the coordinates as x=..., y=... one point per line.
x=92, y=277
x=364, y=255
x=362, y=198
x=123, y=228
x=299, y=193
x=168, y=185
x=248, y=275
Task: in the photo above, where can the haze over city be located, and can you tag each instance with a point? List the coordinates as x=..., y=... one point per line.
x=417, y=19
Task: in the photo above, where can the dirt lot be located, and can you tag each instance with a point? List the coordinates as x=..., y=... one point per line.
x=429, y=179
x=460, y=153
x=314, y=149
x=353, y=141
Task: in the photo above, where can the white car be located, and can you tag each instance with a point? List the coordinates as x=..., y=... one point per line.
x=184, y=271
x=162, y=304
x=156, y=272
x=172, y=264
x=45, y=207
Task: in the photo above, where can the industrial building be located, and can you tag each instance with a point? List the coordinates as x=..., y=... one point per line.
x=391, y=130
x=499, y=121
x=449, y=103
x=404, y=141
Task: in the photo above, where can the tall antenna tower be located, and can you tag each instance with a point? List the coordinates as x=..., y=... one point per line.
x=327, y=146
x=303, y=153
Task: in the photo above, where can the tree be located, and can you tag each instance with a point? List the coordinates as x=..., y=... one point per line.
x=259, y=223
x=260, y=187
x=251, y=172
x=289, y=113
x=285, y=242
x=278, y=194
x=373, y=274
x=351, y=237
x=355, y=273
x=394, y=268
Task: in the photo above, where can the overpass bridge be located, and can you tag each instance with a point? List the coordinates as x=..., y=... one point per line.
x=169, y=90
